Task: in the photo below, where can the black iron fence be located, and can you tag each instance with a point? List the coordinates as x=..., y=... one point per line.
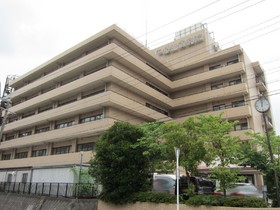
x=68, y=190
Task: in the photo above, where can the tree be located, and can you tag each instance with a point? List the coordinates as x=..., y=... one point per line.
x=118, y=165
x=221, y=147
x=185, y=137
x=258, y=148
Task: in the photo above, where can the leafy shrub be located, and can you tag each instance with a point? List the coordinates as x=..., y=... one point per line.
x=206, y=200
x=154, y=197
x=245, y=202
x=209, y=200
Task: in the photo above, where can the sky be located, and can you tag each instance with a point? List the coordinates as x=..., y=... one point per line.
x=34, y=31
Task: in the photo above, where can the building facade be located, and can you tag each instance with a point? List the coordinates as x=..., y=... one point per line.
x=60, y=108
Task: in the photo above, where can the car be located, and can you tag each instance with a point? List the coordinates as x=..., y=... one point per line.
x=167, y=183
x=241, y=189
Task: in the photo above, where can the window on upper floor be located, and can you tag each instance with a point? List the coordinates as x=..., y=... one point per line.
x=235, y=81
x=21, y=155
x=9, y=137
x=238, y=103
x=219, y=107
x=28, y=114
x=86, y=147
x=92, y=93
x=216, y=66
x=24, y=133
x=217, y=85
x=232, y=61
x=45, y=108
x=91, y=118
x=64, y=124
x=61, y=150
x=40, y=152
x=157, y=109
x=6, y=157
x=156, y=88
x=67, y=101
x=42, y=130
x=241, y=126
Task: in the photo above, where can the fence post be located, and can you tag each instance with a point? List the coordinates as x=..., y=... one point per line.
x=42, y=188
x=29, y=190
x=36, y=188
x=66, y=190
x=57, y=190
x=50, y=189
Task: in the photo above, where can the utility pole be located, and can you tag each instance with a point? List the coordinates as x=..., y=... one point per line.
x=177, y=153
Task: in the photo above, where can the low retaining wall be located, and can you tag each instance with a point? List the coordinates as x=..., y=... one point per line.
x=153, y=206
x=12, y=201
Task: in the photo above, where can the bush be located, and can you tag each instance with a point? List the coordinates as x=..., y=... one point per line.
x=245, y=202
x=154, y=197
x=209, y=200
x=206, y=200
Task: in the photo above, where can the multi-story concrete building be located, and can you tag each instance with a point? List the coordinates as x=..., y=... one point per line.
x=63, y=105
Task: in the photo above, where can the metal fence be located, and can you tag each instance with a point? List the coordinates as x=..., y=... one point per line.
x=68, y=190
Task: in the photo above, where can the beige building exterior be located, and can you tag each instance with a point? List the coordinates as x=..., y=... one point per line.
x=62, y=106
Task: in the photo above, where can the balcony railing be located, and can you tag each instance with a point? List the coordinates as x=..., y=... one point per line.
x=67, y=190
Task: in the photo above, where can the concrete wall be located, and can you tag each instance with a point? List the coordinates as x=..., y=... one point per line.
x=153, y=206
x=26, y=202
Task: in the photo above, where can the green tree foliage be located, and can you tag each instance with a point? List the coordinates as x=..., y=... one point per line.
x=118, y=165
x=257, y=155
x=185, y=137
x=221, y=147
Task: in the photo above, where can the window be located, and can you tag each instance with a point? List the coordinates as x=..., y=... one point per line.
x=28, y=114
x=9, y=178
x=91, y=118
x=219, y=107
x=157, y=109
x=64, y=125
x=234, y=82
x=38, y=153
x=86, y=147
x=238, y=103
x=157, y=89
x=61, y=150
x=21, y=155
x=42, y=130
x=67, y=101
x=45, y=108
x=215, y=67
x=241, y=126
x=24, y=177
x=92, y=93
x=25, y=133
x=6, y=157
x=9, y=137
x=232, y=62
x=217, y=86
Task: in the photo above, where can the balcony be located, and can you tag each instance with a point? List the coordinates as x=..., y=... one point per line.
x=210, y=76
x=213, y=95
x=62, y=159
x=241, y=134
x=75, y=131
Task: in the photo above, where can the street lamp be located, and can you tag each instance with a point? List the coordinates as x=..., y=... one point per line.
x=262, y=105
x=177, y=153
